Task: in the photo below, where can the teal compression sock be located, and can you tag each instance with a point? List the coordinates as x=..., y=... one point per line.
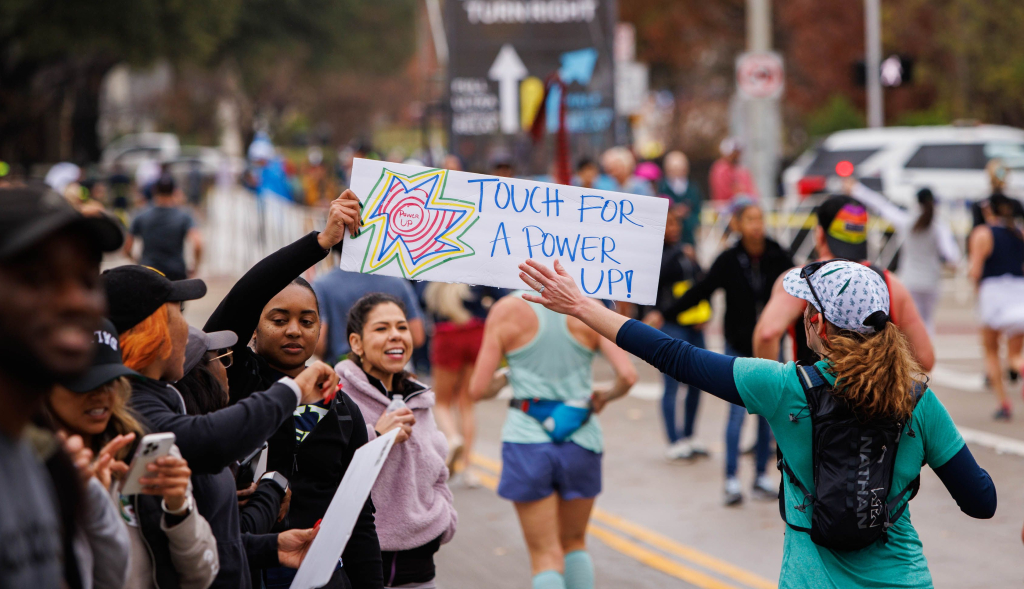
x=548, y=580
x=579, y=570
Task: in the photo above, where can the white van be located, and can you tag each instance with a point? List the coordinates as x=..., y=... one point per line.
x=899, y=161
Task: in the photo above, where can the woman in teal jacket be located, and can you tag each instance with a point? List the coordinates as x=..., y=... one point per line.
x=847, y=324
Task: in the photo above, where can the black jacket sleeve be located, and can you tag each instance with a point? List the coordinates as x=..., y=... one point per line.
x=261, y=550
x=240, y=310
x=213, y=441
x=361, y=558
x=259, y=514
x=969, y=485
x=714, y=280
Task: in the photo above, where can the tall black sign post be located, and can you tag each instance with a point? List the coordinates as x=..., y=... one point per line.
x=501, y=53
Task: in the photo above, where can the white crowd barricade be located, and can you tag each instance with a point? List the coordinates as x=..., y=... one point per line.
x=242, y=229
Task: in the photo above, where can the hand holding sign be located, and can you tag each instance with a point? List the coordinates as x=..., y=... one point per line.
x=292, y=546
x=343, y=214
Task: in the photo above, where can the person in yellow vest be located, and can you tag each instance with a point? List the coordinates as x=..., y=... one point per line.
x=746, y=272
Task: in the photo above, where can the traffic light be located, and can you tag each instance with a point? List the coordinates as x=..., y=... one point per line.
x=895, y=71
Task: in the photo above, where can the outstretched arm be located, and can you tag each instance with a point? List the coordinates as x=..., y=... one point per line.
x=969, y=485
x=707, y=370
x=240, y=310
x=882, y=206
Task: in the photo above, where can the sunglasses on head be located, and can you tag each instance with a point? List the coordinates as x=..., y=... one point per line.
x=807, y=271
x=227, y=358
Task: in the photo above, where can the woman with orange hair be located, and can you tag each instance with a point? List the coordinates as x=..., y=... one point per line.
x=146, y=308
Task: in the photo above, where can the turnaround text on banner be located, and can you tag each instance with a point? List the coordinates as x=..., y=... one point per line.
x=445, y=226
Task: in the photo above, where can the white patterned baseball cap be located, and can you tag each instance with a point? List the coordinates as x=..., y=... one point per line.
x=854, y=296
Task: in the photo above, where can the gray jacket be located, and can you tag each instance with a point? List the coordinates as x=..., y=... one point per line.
x=101, y=541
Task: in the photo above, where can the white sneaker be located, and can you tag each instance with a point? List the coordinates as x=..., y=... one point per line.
x=765, y=489
x=470, y=480
x=699, y=449
x=733, y=492
x=681, y=450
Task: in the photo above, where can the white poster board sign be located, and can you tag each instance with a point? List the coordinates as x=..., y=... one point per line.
x=445, y=226
x=339, y=521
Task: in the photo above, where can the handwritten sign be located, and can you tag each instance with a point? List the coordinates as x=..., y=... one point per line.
x=339, y=521
x=432, y=224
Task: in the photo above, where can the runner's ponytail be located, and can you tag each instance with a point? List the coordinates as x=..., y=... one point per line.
x=874, y=372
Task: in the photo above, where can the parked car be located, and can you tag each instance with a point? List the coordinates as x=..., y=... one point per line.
x=132, y=150
x=899, y=161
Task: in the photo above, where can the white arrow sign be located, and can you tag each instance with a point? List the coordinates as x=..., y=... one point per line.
x=507, y=70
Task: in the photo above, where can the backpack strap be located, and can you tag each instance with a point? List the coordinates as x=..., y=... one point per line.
x=810, y=377
x=813, y=382
x=914, y=486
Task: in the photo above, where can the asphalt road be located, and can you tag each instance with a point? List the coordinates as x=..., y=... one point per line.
x=661, y=524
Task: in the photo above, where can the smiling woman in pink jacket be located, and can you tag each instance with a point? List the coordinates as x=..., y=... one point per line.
x=415, y=514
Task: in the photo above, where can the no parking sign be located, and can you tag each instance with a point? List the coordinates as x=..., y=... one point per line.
x=760, y=75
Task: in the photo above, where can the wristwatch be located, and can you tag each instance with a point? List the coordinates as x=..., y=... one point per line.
x=277, y=479
x=183, y=511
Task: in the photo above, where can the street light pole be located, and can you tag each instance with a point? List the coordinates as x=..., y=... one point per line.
x=873, y=59
x=762, y=121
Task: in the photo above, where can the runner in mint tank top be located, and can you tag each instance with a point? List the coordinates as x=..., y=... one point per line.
x=552, y=442
x=847, y=324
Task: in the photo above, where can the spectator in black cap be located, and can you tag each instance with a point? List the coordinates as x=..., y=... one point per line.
x=164, y=228
x=841, y=233
x=148, y=307
x=94, y=408
x=50, y=304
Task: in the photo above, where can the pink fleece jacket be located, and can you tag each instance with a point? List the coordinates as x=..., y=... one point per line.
x=413, y=501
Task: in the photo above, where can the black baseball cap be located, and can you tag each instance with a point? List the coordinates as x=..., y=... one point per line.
x=136, y=292
x=845, y=221
x=106, y=364
x=30, y=214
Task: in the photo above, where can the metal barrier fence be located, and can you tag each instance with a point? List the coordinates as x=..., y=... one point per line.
x=242, y=229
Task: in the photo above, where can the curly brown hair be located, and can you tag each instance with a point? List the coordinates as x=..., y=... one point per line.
x=875, y=373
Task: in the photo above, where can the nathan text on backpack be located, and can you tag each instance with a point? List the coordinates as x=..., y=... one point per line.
x=853, y=464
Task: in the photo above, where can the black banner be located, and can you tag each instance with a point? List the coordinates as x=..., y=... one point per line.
x=502, y=51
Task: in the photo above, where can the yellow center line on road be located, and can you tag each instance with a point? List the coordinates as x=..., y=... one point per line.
x=656, y=561
x=651, y=538
x=635, y=551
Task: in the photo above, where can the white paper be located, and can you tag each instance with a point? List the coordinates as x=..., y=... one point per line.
x=261, y=465
x=439, y=225
x=339, y=521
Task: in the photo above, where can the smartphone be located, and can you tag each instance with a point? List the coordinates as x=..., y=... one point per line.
x=251, y=468
x=151, y=447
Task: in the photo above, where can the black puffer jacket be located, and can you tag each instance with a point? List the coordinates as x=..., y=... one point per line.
x=210, y=443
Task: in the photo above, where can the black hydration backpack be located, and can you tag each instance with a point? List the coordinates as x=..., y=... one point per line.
x=853, y=464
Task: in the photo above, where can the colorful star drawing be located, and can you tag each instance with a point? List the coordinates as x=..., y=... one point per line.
x=411, y=221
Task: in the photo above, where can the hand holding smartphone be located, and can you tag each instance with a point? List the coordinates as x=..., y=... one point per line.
x=151, y=447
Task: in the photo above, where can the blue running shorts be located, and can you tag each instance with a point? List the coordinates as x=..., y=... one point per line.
x=531, y=472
